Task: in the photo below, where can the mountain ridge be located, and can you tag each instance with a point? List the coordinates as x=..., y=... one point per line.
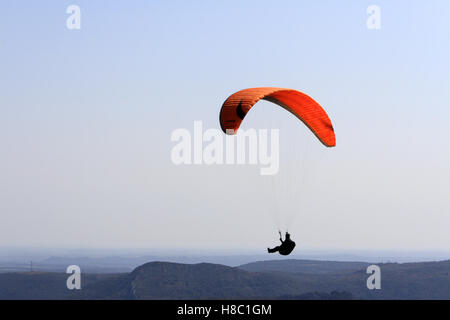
x=272, y=279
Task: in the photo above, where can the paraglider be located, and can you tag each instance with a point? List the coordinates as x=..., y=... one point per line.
x=286, y=246
x=236, y=107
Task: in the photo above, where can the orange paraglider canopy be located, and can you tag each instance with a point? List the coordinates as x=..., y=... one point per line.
x=301, y=105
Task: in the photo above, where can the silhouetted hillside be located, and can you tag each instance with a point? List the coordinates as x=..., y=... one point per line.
x=163, y=280
x=304, y=266
x=44, y=285
x=160, y=280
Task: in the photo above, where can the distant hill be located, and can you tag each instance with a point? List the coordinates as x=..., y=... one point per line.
x=160, y=280
x=43, y=285
x=422, y=280
x=285, y=279
x=304, y=266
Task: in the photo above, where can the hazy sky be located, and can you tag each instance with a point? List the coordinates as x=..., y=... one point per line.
x=86, y=118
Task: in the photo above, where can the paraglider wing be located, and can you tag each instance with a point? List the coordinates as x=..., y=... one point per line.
x=301, y=105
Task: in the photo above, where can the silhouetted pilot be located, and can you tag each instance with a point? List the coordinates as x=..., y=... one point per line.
x=286, y=246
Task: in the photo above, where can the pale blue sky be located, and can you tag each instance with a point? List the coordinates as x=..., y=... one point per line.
x=86, y=118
